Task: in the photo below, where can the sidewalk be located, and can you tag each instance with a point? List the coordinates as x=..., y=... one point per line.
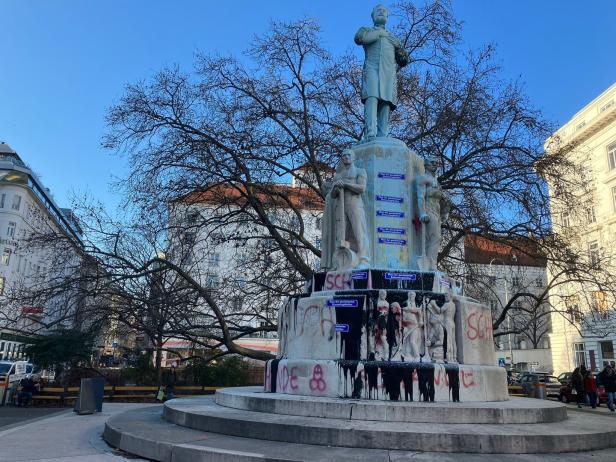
x=63, y=437
x=11, y=416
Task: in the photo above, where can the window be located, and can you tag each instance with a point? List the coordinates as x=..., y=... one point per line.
x=2, y=198
x=590, y=215
x=599, y=302
x=593, y=254
x=214, y=259
x=572, y=303
x=16, y=202
x=606, y=106
x=565, y=220
x=611, y=156
x=6, y=257
x=580, y=354
x=539, y=282
x=237, y=302
x=319, y=223
x=1, y=285
x=318, y=243
x=212, y=281
x=10, y=230
x=515, y=282
x=607, y=351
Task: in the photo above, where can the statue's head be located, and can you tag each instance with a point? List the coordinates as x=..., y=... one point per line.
x=411, y=295
x=431, y=165
x=380, y=13
x=382, y=294
x=348, y=156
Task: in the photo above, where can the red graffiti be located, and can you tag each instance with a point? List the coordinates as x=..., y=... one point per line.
x=467, y=379
x=478, y=327
x=293, y=379
x=437, y=378
x=337, y=281
x=317, y=382
x=287, y=380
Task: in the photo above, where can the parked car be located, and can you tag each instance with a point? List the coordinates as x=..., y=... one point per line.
x=15, y=370
x=568, y=394
x=552, y=384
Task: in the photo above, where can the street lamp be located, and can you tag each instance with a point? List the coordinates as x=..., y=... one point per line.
x=506, y=293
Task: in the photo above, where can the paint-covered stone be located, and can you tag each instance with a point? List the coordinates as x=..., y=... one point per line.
x=382, y=380
x=474, y=332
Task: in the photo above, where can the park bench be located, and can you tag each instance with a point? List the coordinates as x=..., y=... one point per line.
x=67, y=395
x=516, y=390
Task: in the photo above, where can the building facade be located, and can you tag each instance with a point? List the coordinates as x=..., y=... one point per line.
x=26, y=207
x=584, y=325
x=236, y=258
x=496, y=272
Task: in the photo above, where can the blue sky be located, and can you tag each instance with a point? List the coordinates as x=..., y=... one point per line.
x=64, y=62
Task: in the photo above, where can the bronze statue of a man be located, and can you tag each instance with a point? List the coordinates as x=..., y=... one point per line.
x=379, y=93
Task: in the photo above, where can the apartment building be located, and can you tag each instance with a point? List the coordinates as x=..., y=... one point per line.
x=25, y=206
x=584, y=326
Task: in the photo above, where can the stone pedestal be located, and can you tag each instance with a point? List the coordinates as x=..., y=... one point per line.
x=391, y=202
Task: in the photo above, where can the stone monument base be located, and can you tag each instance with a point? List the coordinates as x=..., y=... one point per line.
x=387, y=380
x=246, y=424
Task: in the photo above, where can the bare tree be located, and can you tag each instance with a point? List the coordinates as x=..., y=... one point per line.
x=209, y=151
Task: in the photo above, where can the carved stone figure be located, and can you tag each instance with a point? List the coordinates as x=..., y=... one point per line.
x=394, y=336
x=381, y=346
x=433, y=205
x=412, y=329
x=383, y=52
x=436, y=332
x=449, y=323
x=346, y=243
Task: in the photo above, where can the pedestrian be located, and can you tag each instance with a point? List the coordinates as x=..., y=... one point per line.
x=170, y=381
x=608, y=379
x=28, y=388
x=577, y=382
x=590, y=387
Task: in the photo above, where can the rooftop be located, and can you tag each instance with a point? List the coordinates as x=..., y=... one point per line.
x=512, y=252
x=274, y=194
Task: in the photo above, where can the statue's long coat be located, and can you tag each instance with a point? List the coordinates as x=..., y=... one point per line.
x=379, y=75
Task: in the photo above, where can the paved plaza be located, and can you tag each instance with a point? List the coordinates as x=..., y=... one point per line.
x=62, y=435
x=52, y=434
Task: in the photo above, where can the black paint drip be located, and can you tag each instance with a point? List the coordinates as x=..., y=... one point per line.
x=372, y=375
x=350, y=342
x=274, y=374
x=453, y=374
x=407, y=379
x=425, y=379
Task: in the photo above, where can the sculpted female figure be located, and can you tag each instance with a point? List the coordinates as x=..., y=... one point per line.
x=380, y=335
x=412, y=329
x=436, y=332
x=449, y=323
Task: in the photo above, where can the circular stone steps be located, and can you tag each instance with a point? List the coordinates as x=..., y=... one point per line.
x=144, y=433
x=516, y=411
x=577, y=433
